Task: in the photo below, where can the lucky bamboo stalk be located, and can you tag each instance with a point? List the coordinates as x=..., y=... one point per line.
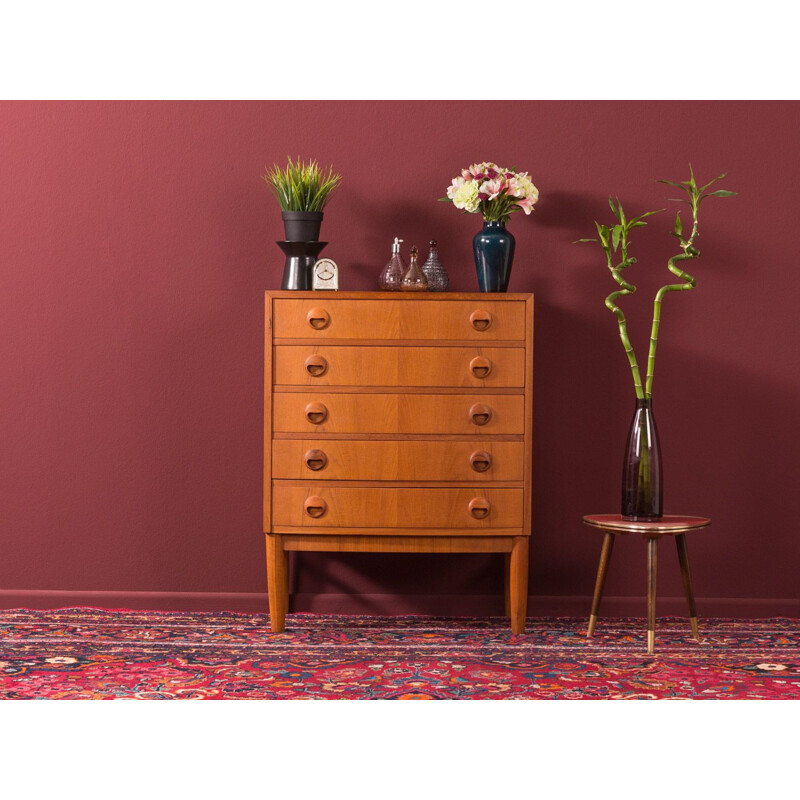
x=615, y=238
x=695, y=197
x=627, y=288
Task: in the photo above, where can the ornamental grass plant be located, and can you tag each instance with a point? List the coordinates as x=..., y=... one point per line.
x=301, y=186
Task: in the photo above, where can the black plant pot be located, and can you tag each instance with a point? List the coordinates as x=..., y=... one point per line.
x=301, y=226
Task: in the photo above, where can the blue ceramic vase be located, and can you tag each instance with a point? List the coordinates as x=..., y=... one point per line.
x=493, y=248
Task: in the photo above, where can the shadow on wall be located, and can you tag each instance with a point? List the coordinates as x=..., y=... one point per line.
x=583, y=404
x=708, y=445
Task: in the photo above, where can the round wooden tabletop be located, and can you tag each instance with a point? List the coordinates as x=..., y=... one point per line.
x=666, y=526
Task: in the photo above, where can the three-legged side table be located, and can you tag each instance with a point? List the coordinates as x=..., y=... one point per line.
x=615, y=525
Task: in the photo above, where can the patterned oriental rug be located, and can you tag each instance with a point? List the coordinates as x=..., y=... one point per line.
x=82, y=653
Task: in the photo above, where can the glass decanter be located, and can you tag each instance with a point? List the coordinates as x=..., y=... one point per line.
x=434, y=271
x=414, y=280
x=389, y=280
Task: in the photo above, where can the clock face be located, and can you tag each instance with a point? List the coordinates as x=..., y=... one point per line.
x=326, y=274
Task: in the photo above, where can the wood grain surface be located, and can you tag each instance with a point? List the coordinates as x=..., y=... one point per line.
x=331, y=459
x=471, y=367
x=400, y=414
x=391, y=507
x=399, y=318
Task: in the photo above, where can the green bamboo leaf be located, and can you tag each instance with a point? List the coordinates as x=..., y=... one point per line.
x=577, y=241
x=718, y=178
x=642, y=216
x=615, y=234
x=722, y=193
x=678, y=229
x=614, y=209
x=671, y=183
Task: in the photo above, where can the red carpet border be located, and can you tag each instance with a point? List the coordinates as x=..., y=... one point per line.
x=80, y=653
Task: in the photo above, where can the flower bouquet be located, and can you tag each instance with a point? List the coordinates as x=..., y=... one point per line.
x=495, y=192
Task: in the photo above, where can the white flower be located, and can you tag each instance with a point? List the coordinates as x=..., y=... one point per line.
x=523, y=182
x=464, y=194
x=515, y=188
x=457, y=183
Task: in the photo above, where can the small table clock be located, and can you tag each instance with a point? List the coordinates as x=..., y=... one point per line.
x=326, y=274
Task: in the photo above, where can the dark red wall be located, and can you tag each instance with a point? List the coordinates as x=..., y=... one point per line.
x=136, y=240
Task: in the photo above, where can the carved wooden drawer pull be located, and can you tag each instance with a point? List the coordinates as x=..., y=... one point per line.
x=316, y=413
x=480, y=367
x=480, y=461
x=480, y=414
x=316, y=366
x=481, y=320
x=479, y=507
x=315, y=507
x=318, y=318
x=316, y=460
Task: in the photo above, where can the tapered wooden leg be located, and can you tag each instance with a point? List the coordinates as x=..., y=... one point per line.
x=518, y=583
x=652, y=567
x=602, y=571
x=683, y=557
x=277, y=582
x=507, y=583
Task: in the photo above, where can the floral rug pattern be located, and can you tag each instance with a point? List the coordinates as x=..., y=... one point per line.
x=83, y=653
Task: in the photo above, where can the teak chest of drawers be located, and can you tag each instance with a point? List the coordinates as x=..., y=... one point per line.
x=398, y=423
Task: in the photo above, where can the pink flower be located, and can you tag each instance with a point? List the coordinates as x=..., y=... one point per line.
x=492, y=189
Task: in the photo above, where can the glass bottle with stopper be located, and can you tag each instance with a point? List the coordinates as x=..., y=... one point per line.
x=414, y=280
x=392, y=275
x=434, y=271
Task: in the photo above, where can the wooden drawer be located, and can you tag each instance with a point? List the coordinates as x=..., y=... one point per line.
x=330, y=459
x=328, y=412
x=303, y=505
x=398, y=318
x=325, y=365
